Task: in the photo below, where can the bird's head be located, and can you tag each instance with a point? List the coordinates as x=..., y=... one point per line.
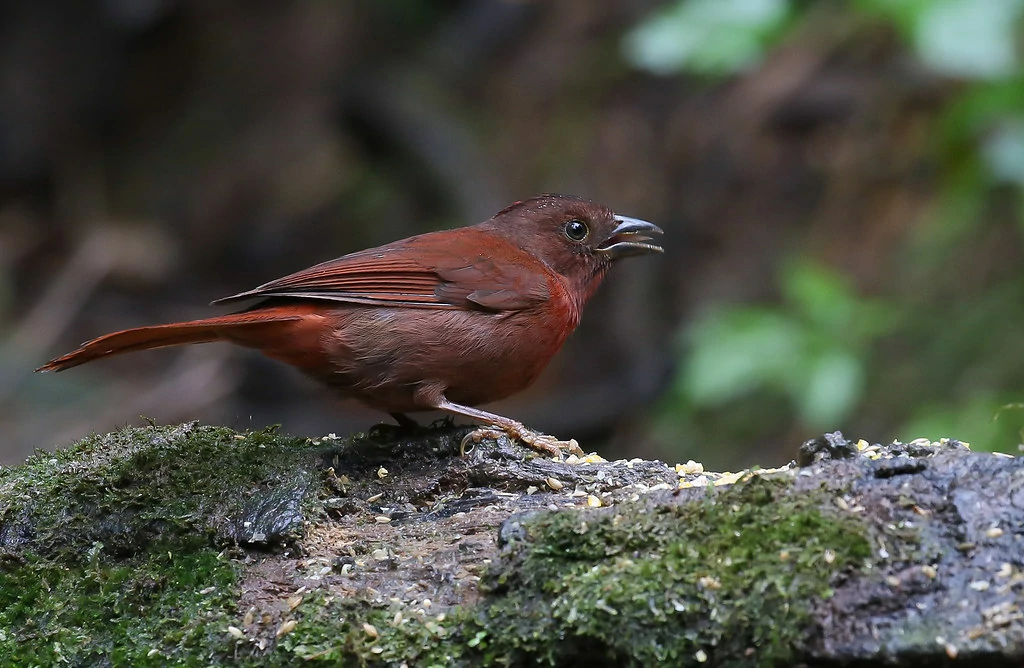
x=574, y=237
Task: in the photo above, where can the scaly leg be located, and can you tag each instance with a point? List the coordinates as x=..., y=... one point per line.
x=506, y=426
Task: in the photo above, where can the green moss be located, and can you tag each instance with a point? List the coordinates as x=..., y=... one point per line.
x=166, y=607
x=334, y=630
x=111, y=546
x=110, y=554
x=127, y=488
x=731, y=577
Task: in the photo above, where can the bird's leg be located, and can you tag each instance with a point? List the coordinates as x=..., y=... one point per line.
x=405, y=422
x=547, y=444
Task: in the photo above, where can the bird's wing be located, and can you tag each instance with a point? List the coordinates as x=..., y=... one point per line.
x=456, y=269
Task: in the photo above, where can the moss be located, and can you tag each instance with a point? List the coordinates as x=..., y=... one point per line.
x=111, y=546
x=729, y=580
x=358, y=632
x=127, y=488
x=114, y=553
x=166, y=607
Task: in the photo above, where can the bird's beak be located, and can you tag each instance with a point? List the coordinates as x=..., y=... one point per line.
x=631, y=236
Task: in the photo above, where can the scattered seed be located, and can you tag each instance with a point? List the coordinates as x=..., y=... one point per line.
x=994, y=532
x=375, y=497
x=370, y=630
x=593, y=501
x=709, y=582
x=236, y=632
x=382, y=473
x=929, y=571
x=382, y=519
x=294, y=601
x=690, y=468
x=286, y=628
x=700, y=655
x=830, y=556
x=555, y=484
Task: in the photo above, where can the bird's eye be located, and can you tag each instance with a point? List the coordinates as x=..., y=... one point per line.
x=576, y=230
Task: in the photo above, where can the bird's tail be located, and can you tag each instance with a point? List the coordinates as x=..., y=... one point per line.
x=252, y=329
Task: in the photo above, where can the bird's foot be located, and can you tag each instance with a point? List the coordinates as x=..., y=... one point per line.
x=549, y=445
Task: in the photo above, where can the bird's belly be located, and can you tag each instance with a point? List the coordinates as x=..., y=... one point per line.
x=383, y=356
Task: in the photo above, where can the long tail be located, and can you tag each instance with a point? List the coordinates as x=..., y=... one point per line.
x=247, y=329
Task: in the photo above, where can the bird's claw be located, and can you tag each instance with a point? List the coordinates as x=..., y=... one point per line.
x=549, y=445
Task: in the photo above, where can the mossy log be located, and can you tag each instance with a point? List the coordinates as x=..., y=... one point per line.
x=194, y=545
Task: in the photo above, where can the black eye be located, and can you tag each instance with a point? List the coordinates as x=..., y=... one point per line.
x=576, y=230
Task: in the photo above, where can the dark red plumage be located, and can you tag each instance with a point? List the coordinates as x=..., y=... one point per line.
x=445, y=320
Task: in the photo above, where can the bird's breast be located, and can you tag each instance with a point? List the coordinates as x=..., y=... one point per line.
x=381, y=355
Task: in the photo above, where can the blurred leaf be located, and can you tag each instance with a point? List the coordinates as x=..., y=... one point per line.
x=832, y=388
x=705, y=36
x=825, y=297
x=735, y=351
x=1003, y=151
x=970, y=38
x=812, y=349
x=967, y=38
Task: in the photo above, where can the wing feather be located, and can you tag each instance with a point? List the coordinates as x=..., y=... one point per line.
x=456, y=269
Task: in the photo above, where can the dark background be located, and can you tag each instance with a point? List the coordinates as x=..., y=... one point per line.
x=839, y=183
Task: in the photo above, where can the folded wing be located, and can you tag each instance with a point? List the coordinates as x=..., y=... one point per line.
x=454, y=269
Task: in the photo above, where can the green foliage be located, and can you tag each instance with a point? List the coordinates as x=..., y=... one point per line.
x=967, y=38
x=808, y=348
x=715, y=37
x=814, y=349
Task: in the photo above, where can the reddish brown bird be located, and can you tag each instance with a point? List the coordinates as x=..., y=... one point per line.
x=440, y=321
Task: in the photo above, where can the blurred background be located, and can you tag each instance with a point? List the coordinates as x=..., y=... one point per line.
x=840, y=184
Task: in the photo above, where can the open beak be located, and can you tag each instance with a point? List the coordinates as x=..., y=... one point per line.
x=631, y=236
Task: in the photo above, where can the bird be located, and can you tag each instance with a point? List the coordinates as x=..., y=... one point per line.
x=446, y=320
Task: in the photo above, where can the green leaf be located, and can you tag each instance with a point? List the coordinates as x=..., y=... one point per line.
x=705, y=36
x=825, y=297
x=832, y=388
x=736, y=351
x=970, y=38
x=1003, y=151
